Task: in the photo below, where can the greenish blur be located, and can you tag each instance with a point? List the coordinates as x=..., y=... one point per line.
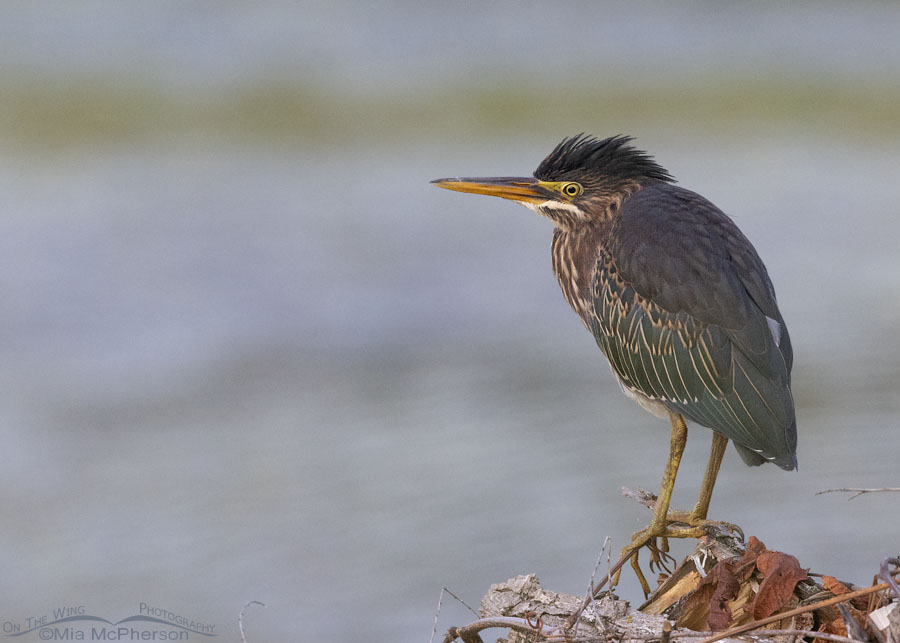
x=91, y=111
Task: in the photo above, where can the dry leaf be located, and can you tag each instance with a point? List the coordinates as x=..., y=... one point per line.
x=836, y=626
x=834, y=586
x=837, y=588
x=781, y=573
x=755, y=547
x=832, y=627
x=745, y=566
x=726, y=586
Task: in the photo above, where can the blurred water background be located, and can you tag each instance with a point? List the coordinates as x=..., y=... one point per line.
x=247, y=352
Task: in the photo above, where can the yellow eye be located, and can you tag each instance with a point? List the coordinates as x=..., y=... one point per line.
x=572, y=190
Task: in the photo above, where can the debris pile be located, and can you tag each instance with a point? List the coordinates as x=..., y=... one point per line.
x=722, y=590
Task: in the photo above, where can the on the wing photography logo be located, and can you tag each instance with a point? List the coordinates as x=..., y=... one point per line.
x=74, y=623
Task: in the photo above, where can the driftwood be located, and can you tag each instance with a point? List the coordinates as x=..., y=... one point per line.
x=724, y=589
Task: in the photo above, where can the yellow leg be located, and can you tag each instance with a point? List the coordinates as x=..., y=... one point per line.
x=667, y=524
x=676, y=450
x=659, y=522
x=696, y=518
x=716, y=453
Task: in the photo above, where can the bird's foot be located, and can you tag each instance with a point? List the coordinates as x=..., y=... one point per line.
x=656, y=539
x=718, y=524
x=685, y=519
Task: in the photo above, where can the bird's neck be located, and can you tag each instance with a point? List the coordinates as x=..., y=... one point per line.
x=574, y=253
x=577, y=245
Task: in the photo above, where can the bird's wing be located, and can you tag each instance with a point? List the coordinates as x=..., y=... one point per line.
x=686, y=314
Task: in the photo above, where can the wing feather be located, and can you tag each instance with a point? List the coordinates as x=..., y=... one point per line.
x=682, y=307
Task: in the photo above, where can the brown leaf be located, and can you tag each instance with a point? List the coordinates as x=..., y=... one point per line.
x=755, y=546
x=836, y=626
x=781, y=573
x=726, y=587
x=837, y=588
x=834, y=586
x=849, y=622
x=745, y=566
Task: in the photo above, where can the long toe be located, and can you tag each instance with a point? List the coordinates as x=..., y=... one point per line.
x=706, y=525
x=655, y=539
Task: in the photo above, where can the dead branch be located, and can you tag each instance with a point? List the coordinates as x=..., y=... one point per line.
x=596, y=590
x=856, y=491
x=555, y=635
x=531, y=613
x=722, y=584
x=887, y=575
x=819, y=635
x=641, y=496
x=469, y=632
x=589, y=595
x=666, y=632
x=437, y=614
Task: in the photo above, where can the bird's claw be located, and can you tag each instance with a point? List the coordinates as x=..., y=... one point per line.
x=660, y=559
x=658, y=544
x=656, y=539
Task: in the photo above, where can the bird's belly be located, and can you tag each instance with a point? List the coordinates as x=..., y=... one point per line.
x=656, y=407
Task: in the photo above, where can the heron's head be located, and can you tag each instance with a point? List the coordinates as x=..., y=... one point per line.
x=582, y=180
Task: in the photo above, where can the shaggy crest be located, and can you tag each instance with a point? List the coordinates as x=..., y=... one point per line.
x=610, y=158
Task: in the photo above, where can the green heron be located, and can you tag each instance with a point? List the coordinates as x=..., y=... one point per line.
x=678, y=301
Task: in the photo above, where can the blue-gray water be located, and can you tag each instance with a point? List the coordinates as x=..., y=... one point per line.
x=248, y=353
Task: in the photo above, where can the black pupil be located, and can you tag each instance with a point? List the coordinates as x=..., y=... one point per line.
x=571, y=190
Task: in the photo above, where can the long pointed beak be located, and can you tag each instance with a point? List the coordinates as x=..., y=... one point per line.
x=522, y=189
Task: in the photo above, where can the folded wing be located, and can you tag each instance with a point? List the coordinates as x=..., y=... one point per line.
x=687, y=316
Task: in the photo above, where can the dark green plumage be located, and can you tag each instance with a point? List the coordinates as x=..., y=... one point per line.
x=682, y=307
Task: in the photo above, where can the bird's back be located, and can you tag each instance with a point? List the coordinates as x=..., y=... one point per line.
x=682, y=306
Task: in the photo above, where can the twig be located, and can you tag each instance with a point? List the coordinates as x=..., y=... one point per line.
x=462, y=602
x=437, y=614
x=606, y=543
x=854, y=630
x=241, y=618
x=509, y=622
x=800, y=610
x=589, y=595
x=573, y=618
x=819, y=635
x=666, y=631
x=690, y=634
x=641, y=496
x=885, y=574
x=857, y=492
x=793, y=626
